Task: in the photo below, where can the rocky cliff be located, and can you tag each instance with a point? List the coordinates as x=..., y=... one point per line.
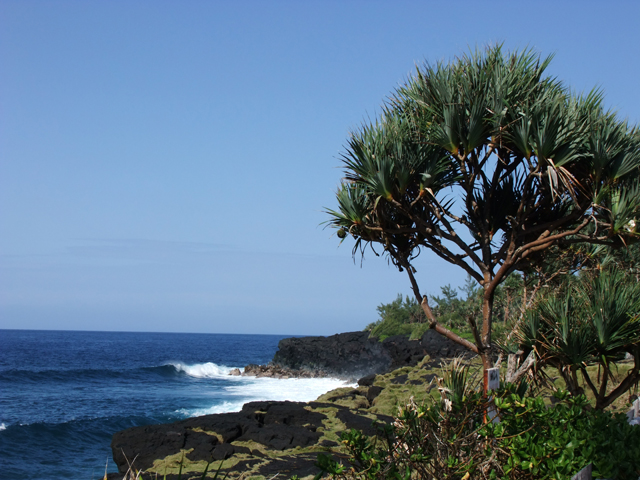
x=355, y=355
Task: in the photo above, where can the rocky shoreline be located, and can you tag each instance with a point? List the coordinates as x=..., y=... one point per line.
x=276, y=371
x=268, y=438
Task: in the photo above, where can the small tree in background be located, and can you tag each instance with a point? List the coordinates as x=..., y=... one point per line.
x=593, y=320
x=488, y=163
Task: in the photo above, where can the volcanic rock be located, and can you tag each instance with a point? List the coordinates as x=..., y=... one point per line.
x=354, y=354
x=276, y=426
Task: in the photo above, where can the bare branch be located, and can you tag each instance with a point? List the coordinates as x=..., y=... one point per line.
x=513, y=377
x=444, y=331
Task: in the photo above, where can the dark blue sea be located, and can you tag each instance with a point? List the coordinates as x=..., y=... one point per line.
x=63, y=394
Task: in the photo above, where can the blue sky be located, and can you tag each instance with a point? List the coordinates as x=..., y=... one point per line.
x=164, y=165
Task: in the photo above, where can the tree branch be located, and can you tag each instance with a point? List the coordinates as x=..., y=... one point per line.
x=545, y=240
x=513, y=377
x=444, y=331
x=587, y=379
x=631, y=379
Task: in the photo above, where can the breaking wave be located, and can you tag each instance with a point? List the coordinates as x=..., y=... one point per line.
x=202, y=370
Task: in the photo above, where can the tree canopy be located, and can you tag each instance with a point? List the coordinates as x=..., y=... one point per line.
x=488, y=163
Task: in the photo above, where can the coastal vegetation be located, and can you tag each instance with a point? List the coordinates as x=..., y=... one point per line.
x=530, y=189
x=581, y=322
x=446, y=437
x=369, y=422
x=492, y=165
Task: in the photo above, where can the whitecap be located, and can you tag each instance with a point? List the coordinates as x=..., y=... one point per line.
x=251, y=389
x=2, y=427
x=202, y=370
x=292, y=389
x=224, y=407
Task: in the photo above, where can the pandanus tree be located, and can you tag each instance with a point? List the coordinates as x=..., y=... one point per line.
x=487, y=162
x=584, y=329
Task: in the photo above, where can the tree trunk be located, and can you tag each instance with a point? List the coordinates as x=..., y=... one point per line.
x=487, y=316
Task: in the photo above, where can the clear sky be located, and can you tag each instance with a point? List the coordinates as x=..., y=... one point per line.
x=164, y=165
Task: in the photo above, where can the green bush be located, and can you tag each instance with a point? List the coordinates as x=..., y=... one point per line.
x=399, y=317
x=450, y=440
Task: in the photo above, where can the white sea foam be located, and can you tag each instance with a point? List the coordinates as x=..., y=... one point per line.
x=2, y=427
x=293, y=389
x=224, y=407
x=203, y=370
x=250, y=389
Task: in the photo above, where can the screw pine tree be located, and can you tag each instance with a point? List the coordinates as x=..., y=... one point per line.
x=487, y=163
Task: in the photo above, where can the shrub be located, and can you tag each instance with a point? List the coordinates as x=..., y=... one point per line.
x=450, y=440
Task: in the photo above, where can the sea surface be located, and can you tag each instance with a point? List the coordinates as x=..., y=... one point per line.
x=63, y=394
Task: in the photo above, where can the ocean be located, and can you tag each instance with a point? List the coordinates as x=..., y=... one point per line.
x=63, y=394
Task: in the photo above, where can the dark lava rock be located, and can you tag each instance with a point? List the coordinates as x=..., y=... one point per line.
x=301, y=465
x=439, y=346
x=428, y=377
x=400, y=379
x=403, y=351
x=276, y=425
x=364, y=424
x=343, y=355
x=328, y=443
x=373, y=392
x=276, y=371
x=354, y=354
x=367, y=380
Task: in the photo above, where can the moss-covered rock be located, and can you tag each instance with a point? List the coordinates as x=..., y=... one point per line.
x=266, y=438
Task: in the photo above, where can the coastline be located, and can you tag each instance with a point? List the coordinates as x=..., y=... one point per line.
x=282, y=437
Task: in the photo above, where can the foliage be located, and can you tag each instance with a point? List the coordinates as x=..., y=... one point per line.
x=488, y=163
x=404, y=316
x=449, y=440
x=593, y=320
x=399, y=317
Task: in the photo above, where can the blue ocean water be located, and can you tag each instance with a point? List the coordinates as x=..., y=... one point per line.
x=63, y=394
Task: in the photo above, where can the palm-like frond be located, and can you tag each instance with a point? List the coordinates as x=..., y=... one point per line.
x=621, y=207
x=615, y=313
x=354, y=207
x=569, y=340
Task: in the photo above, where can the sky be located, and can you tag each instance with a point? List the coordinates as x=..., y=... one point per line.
x=165, y=165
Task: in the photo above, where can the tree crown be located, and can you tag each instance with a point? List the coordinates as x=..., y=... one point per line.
x=491, y=146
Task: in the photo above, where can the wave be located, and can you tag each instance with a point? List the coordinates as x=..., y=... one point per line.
x=251, y=389
x=73, y=449
x=202, y=370
x=169, y=369
x=38, y=377
x=224, y=407
x=292, y=389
